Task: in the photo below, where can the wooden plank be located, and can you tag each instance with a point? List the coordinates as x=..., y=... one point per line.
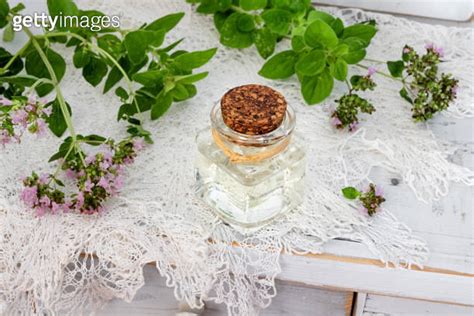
x=374, y=279
x=297, y=300
x=392, y=306
x=359, y=304
x=157, y=299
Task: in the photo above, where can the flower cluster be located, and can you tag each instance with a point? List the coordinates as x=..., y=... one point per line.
x=19, y=115
x=96, y=177
x=427, y=92
x=351, y=103
x=371, y=199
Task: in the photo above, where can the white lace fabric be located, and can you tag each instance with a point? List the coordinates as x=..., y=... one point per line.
x=72, y=263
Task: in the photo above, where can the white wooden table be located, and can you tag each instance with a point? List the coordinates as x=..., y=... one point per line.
x=348, y=280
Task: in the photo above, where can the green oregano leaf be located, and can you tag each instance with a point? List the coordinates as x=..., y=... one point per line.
x=165, y=23
x=162, y=104
x=249, y=5
x=280, y=66
x=297, y=43
x=396, y=68
x=62, y=8
x=339, y=69
x=320, y=33
x=35, y=66
x=137, y=43
x=277, y=20
x=311, y=64
x=363, y=32
x=246, y=23
x=4, y=10
x=232, y=36
x=95, y=71
x=350, y=193
x=265, y=42
x=81, y=57
x=189, y=61
x=317, y=88
x=320, y=15
x=404, y=95
x=192, y=78
x=56, y=122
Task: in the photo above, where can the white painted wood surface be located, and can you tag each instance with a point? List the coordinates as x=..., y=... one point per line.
x=458, y=10
x=377, y=305
x=293, y=300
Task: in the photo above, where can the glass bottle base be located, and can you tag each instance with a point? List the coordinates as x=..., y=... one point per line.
x=249, y=195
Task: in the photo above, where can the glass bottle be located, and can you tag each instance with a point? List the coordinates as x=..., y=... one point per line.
x=249, y=180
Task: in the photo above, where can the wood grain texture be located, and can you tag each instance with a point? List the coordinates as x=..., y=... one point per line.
x=157, y=299
x=377, y=305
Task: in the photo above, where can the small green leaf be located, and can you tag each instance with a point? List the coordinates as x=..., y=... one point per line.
x=339, y=69
x=189, y=61
x=34, y=66
x=340, y=50
x=265, y=42
x=192, y=78
x=364, y=32
x=232, y=36
x=338, y=26
x=311, y=64
x=317, y=88
x=277, y=21
x=249, y=5
x=56, y=122
x=26, y=81
x=137, y=43
x=121, y=93
x=319, y=33
x=297, y=43
x=111, y=44
x=62, y=8
x=396, y=68
x=149, y=78
x=95, y=71
x=8, y=33
x=355, y=56
x=350, y=193
x=404, y=94
x=81, y=58
x=162, y=104
x=246, y=23
x=219, y=19
x=320, y=15
x=4, y=10
x=165, y=23
x=280, y=66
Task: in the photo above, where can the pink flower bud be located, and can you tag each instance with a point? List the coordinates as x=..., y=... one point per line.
x=371, y=70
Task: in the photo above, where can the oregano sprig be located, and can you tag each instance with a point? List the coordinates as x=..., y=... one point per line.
x=423, y=88
x=322, y=47
x=154, y=77
x=371, y=199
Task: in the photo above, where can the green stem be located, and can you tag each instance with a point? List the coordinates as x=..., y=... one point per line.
x=59, y=94
x=348, y=86
x=18, y=53
x=379, y=72
x=37, y=83
x=54, y=79
x=374, y=61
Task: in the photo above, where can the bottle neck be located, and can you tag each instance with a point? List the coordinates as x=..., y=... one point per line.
x=243, y=148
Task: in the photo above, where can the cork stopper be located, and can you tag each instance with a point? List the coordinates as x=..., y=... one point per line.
x=253, y=109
